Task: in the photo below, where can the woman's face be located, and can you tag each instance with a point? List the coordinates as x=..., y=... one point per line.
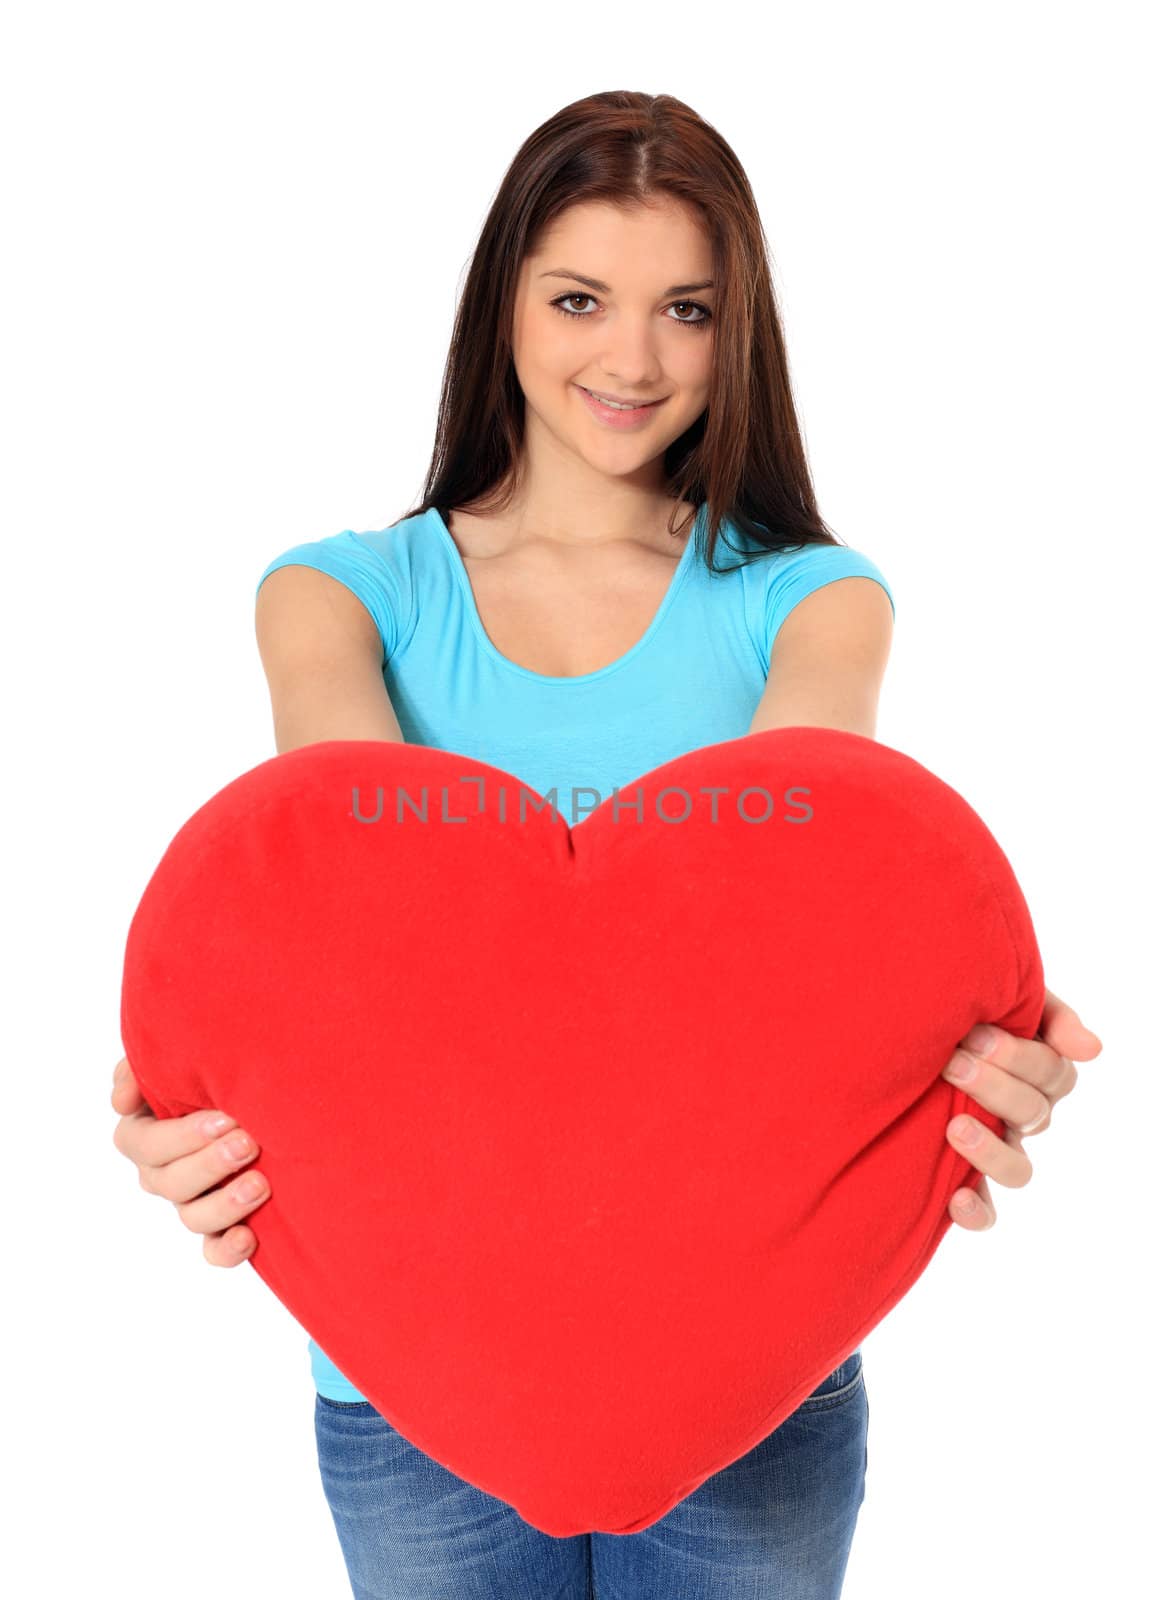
x=644, y=334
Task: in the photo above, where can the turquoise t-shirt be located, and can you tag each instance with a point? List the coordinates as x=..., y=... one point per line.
x=693, y=679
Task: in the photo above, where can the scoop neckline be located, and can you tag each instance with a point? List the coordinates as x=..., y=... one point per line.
x=463, y=580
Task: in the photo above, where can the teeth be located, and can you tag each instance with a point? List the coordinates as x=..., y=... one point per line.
x=616, y=405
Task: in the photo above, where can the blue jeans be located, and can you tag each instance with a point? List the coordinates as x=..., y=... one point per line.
x=776, y=1524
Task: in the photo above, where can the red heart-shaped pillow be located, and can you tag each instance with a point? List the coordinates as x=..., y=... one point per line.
x=594, y=1149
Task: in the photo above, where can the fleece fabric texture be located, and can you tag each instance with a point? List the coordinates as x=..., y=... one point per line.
x=694, y=678
x=592, y=1149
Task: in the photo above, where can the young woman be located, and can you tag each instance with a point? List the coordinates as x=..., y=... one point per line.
x=589, y=588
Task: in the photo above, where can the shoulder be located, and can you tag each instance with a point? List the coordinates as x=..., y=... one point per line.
x=374, y=568
x=304, y=613
x=828, y=656
x=849, y=581
x=847, y=618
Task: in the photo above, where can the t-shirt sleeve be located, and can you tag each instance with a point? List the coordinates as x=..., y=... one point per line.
x=792, y=576
x=353, y=559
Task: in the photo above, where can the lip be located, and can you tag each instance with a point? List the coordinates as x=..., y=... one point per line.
x=619, y=419
x=623, y=399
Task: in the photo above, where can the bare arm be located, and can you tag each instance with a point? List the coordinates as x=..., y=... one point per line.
x=828, y=660
x=322, y=656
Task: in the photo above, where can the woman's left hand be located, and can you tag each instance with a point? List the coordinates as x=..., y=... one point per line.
x=1019, y=1080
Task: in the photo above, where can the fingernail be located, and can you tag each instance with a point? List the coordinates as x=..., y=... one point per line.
x=216, y=1123
x=961, y=1069
x=967, y=1203
x=982, y=1039
x=964, y=1130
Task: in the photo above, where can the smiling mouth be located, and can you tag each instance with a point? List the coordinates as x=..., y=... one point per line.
x=620, y=405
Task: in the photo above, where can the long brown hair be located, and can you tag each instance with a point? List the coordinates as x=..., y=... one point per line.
x=743, y=457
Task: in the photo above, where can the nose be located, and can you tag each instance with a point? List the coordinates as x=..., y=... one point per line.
x=629, y=360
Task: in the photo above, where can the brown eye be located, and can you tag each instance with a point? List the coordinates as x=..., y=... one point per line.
x=562, y=307
x=706, y=315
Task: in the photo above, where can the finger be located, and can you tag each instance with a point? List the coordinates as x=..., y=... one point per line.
x=127, y=1098
x=1061, y=1028
x=222, y=1208
x=998, y=1158
x=231, y=1248
x=973, y=1208
x=1032, y=1060
x=155, y=1142
x=126, y=1094
x=203, y=1173
x=1011, y=1098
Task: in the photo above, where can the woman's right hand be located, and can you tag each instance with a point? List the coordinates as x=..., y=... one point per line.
x=180, y=1159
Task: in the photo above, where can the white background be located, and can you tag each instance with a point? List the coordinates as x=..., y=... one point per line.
x=234, y=240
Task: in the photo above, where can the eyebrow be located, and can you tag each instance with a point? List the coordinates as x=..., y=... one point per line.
x=605, y=288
